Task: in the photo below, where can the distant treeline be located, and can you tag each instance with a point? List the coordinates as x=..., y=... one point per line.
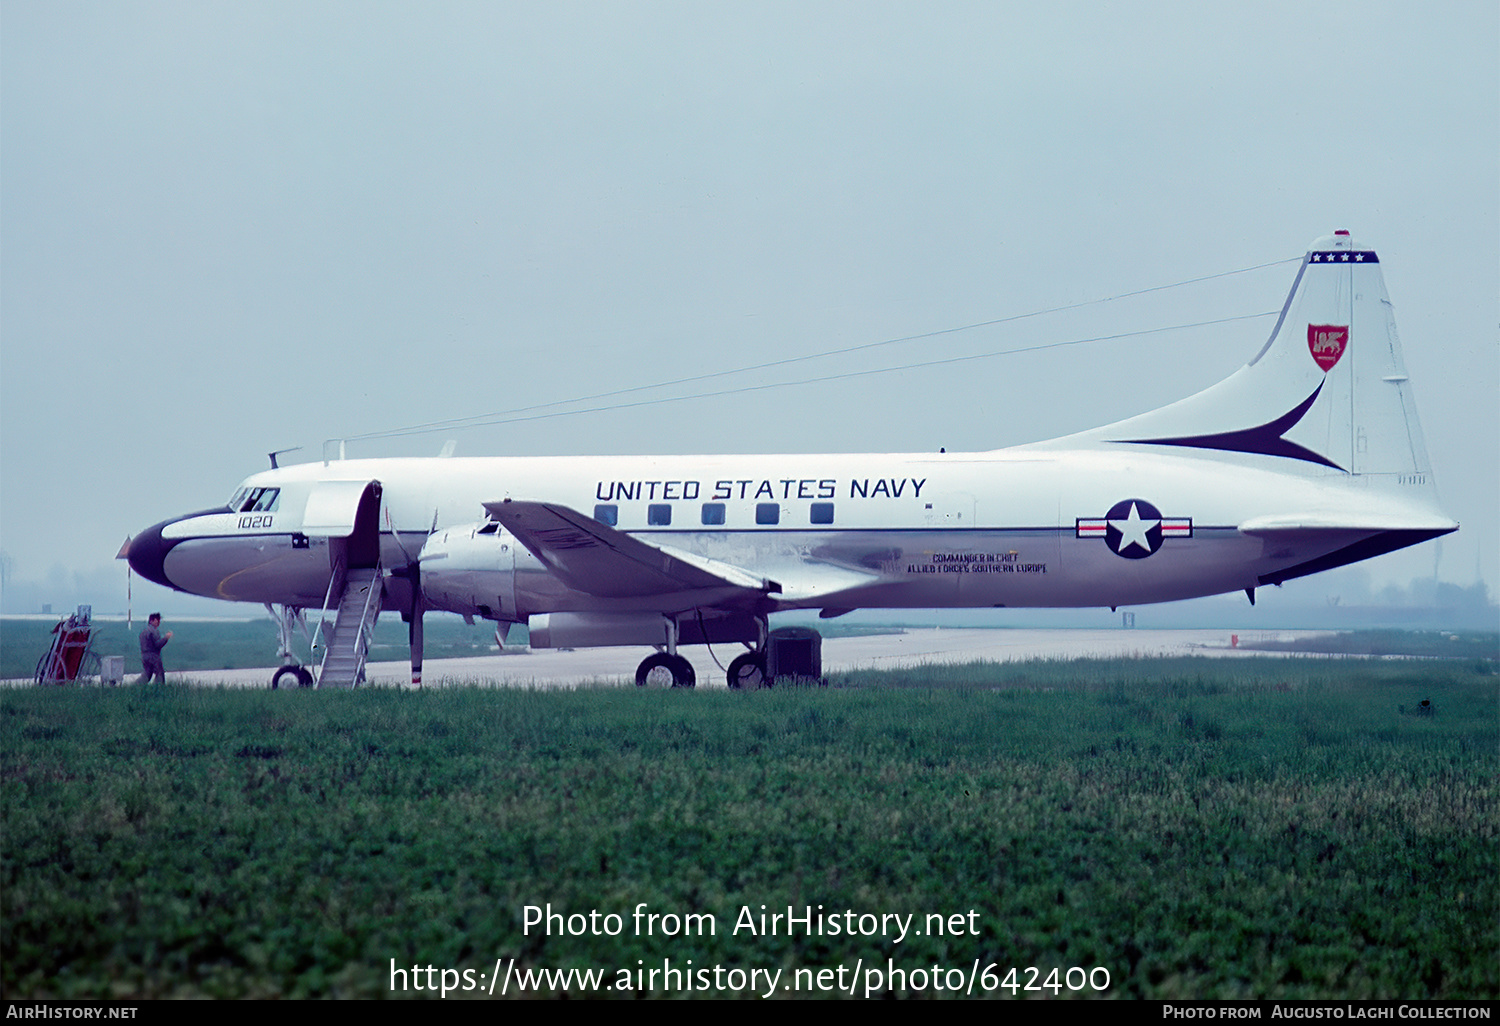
x=1441, y=644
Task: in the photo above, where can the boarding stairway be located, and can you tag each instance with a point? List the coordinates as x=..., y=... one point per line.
x=347, y=645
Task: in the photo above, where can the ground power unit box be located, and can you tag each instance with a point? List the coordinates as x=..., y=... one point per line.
x=794, y=652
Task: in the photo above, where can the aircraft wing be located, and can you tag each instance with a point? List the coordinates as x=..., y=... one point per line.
x=598, y=560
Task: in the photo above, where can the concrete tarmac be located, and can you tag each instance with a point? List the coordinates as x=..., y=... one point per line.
x=547, y=668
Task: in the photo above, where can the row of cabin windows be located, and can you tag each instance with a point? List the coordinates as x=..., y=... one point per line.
x=659, y=514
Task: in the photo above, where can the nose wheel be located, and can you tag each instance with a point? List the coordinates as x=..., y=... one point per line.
x=292, y=676
x=665, y=671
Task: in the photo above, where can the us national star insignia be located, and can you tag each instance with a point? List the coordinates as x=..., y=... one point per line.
x=1133, y=528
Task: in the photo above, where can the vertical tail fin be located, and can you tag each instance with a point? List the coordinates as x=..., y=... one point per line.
x=1328, y=393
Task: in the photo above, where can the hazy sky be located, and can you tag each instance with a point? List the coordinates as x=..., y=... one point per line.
x=229, y=228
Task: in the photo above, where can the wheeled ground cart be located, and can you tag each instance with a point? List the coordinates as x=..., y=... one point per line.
x=71, y=656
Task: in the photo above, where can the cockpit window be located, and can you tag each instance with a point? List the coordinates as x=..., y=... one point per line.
x=255, y=500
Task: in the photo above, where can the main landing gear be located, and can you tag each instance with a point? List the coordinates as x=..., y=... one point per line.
x=667, y=668
x=748, y=671
x=664, y=670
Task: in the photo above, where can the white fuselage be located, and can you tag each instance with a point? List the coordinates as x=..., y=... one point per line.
x=1007, y=528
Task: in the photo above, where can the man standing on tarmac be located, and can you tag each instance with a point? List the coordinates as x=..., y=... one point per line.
x=152, y=642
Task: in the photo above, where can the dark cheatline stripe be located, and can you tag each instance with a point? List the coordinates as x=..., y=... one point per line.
x=1264, y=440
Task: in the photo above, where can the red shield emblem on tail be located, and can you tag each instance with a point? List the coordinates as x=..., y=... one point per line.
x=1327, y=343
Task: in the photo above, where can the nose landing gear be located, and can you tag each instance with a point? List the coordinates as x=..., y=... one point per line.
x=286, y=618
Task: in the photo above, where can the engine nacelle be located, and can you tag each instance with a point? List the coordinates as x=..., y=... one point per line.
x=589, y=630
x=471, y=569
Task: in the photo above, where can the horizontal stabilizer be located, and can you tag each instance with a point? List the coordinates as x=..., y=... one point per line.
x=599, y=560
x=1343, y=521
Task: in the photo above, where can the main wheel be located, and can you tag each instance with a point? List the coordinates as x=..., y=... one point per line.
x=748, y=671
x=663, y=670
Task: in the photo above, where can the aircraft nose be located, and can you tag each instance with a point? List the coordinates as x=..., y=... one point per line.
x=148, y=550
x=148, y=554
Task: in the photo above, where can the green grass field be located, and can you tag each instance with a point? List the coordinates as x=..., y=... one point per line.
x=1197, y=828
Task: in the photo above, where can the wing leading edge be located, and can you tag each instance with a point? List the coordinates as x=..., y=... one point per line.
x=598, y=560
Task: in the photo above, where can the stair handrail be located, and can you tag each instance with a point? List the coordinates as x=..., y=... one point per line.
x=336, y=580
x=366, y=632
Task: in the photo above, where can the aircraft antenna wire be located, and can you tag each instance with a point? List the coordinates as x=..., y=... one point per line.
x=489, y=419
x=503, y=419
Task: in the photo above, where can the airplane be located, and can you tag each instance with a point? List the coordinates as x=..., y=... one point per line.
x=1307, y=458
